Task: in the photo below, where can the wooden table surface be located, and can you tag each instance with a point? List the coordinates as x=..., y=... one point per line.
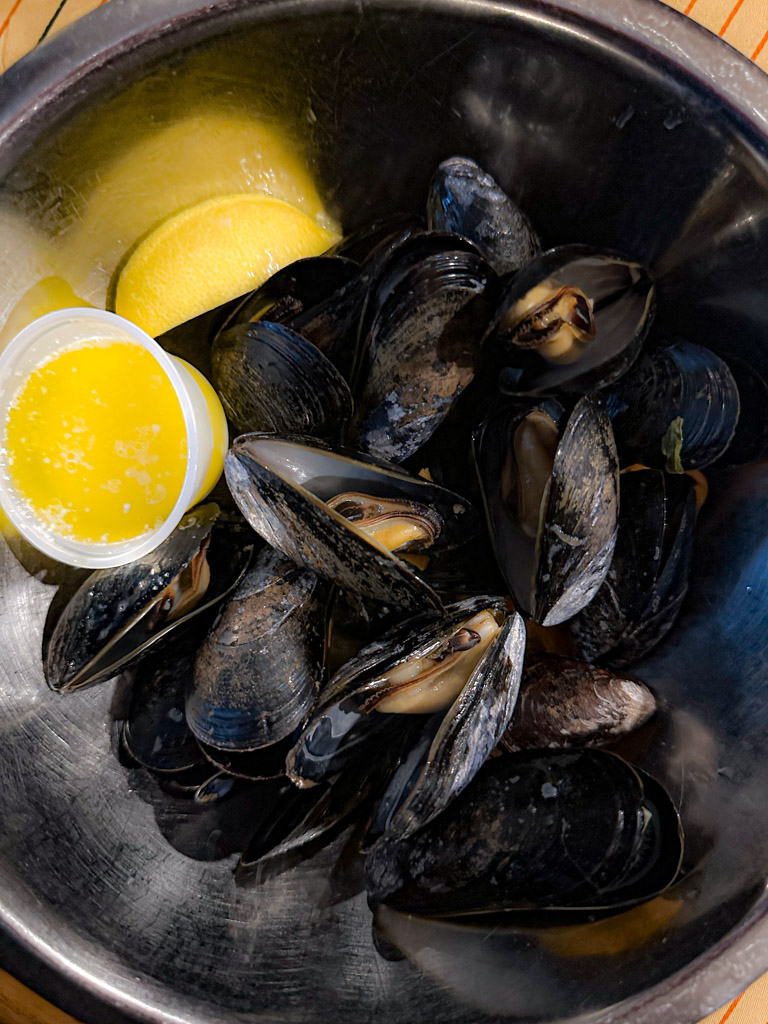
x=25, y=23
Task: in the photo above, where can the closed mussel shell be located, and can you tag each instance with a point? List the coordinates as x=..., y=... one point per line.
x=283, y=484
x=550, y=490
x=534, y=830
x=565, y=703
x=574, y=319
x=422, y=351
x=271, y=378
x=119, y=613
x=676, y=410
x=383, y=272
x=259, y=669
x=466, y=199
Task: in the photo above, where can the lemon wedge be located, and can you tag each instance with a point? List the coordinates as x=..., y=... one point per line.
x=210, y=253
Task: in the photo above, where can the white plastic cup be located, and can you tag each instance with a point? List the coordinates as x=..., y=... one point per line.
x=204, y=422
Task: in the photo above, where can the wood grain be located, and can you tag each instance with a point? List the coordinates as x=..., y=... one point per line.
x=20, y=1005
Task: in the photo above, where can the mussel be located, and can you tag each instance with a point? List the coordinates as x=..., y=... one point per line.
x=676, y=410
x=574, y=319
x=117, y=614
x=466, y=199
x=536, y=830
x=638, y=602
x=551, y=496
x=464, y=664
x=258, y=671
x=565, y=703
x=344, y=518
x=155, y=732
x=421, y=350
x=271, y=378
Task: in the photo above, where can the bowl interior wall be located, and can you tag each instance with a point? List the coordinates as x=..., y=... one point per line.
x=599, y=145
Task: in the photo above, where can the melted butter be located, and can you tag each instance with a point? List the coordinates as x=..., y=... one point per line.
x=95, y=442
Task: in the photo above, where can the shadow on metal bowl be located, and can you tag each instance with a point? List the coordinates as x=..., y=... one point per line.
x=613, y=122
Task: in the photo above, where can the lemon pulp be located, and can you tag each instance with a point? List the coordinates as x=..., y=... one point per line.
x=95, y=442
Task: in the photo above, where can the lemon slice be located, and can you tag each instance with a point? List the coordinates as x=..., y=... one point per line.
x=131, y=184
x=210, y=253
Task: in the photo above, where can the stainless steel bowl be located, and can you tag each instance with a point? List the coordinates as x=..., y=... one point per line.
x=614, y=122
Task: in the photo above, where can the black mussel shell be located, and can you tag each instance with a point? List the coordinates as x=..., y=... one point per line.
x=623, y=302
x=155, y=732
x=281, y=485
x=565, y=703
x=117, y=614
x=466, y=199
x=471, y=729
x=555, y=575
x=310, y=817
x=382, y=273
x=535, y=830
x=271, y=378
x=259, y=669
x=365, y=240
x=339, y=728
x=352, y=717
x=676, y=410
x=637, y=604
x=293, y=289
x=422, y=351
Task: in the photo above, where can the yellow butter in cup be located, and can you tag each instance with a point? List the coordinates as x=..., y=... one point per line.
x=106, y=439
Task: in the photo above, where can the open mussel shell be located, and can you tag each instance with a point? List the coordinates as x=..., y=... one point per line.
x=467, y=734
x=622, y=298
x=466, y=199
x=422, y=351
x=552, y=515
x=340, y=726
x=641, y=596
x=676, y=410
x=535, y=830
x=260, y=667
x=565, y=703
x=461, y=669
x=117, y=614
x=282, y=485
x=271, y=378
x=155, y=732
